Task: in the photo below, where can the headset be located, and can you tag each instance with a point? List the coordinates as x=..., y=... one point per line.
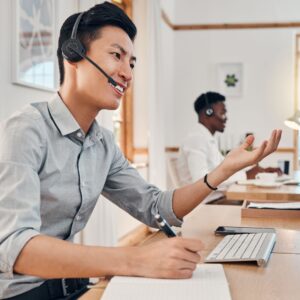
x=73, y=50
x=209, y=111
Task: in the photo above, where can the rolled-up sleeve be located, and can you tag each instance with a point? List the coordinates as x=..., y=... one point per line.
x=128, y=190
x=20, y=155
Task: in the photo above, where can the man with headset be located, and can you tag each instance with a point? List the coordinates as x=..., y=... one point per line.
x=199, y=152
x=56, y=161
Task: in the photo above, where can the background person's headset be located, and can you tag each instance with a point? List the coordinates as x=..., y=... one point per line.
x=73, y=50
x=209, y=111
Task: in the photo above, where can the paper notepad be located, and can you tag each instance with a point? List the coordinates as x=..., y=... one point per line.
x=276, y=205
x=208, y=282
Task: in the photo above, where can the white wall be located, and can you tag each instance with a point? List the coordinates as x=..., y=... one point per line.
x=235, y=11
x=169, y=7
x=267, y=56
x=169, y=81
x=268, y=83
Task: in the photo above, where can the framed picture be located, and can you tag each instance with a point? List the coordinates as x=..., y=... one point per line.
x=33, y=49
x=230, y=77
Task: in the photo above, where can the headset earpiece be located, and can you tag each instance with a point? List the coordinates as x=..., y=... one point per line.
x=73, y=50
x=209, y=110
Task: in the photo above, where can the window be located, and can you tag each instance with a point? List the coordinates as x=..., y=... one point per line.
x=40, y=74
x=33, y=43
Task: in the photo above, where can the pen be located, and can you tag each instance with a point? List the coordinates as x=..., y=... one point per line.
x=164, y=226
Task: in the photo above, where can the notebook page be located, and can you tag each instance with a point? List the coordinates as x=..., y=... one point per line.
x=275, y=205
x=208, y=282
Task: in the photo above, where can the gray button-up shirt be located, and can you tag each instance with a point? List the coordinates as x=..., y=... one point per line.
x=52, y=174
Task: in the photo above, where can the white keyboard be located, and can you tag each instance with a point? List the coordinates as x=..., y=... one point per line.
x=244, y=247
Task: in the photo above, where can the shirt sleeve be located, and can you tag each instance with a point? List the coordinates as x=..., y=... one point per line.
x=20, y=156
x=128, y=190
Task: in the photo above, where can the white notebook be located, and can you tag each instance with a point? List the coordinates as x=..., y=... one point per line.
x=275, y=205
x=208, y=282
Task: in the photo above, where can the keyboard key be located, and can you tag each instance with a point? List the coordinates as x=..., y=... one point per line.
x=252, y=245
x=258, y=246
x=221, y=246
x=233, y=253
x=230, y=244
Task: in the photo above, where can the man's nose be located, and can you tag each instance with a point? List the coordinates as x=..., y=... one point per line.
x=126, y=73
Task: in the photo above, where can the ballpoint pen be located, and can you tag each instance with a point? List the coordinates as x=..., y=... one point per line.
x=164, y=226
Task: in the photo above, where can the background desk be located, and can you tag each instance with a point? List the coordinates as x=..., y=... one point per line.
x=282, y=193
x=279, y=280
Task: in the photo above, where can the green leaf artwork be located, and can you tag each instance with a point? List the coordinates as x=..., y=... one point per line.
x=231, y=80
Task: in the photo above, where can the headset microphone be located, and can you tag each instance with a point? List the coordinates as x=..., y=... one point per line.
x=73, y=50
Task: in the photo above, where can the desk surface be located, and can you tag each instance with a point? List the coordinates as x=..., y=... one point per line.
x=282, y=193
x=278, y=280
x=202, y=222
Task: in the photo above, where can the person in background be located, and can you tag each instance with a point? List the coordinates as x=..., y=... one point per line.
x=199, y=152
x=55, y=161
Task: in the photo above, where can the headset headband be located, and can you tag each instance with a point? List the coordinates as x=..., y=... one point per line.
x=75, y=27
x=206, y=100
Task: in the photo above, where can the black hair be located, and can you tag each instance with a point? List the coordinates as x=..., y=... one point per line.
x=95, y=18
x=206, y=99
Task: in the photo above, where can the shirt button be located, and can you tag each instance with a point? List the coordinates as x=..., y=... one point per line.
x=79, y=134
x=78, y=217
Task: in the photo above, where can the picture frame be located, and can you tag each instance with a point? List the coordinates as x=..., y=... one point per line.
x=230, y=78
x=34, y=44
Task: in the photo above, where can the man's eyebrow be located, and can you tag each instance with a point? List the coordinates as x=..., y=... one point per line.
x=123, y=50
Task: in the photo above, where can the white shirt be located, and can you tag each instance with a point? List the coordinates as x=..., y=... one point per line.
x=199, y=155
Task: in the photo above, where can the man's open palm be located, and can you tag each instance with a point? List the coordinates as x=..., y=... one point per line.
x=240, y=157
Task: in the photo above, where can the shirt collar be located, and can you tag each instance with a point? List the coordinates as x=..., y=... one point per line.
x=206, y=132
x=65, y=121
x=95, y=131
x=61, y=116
